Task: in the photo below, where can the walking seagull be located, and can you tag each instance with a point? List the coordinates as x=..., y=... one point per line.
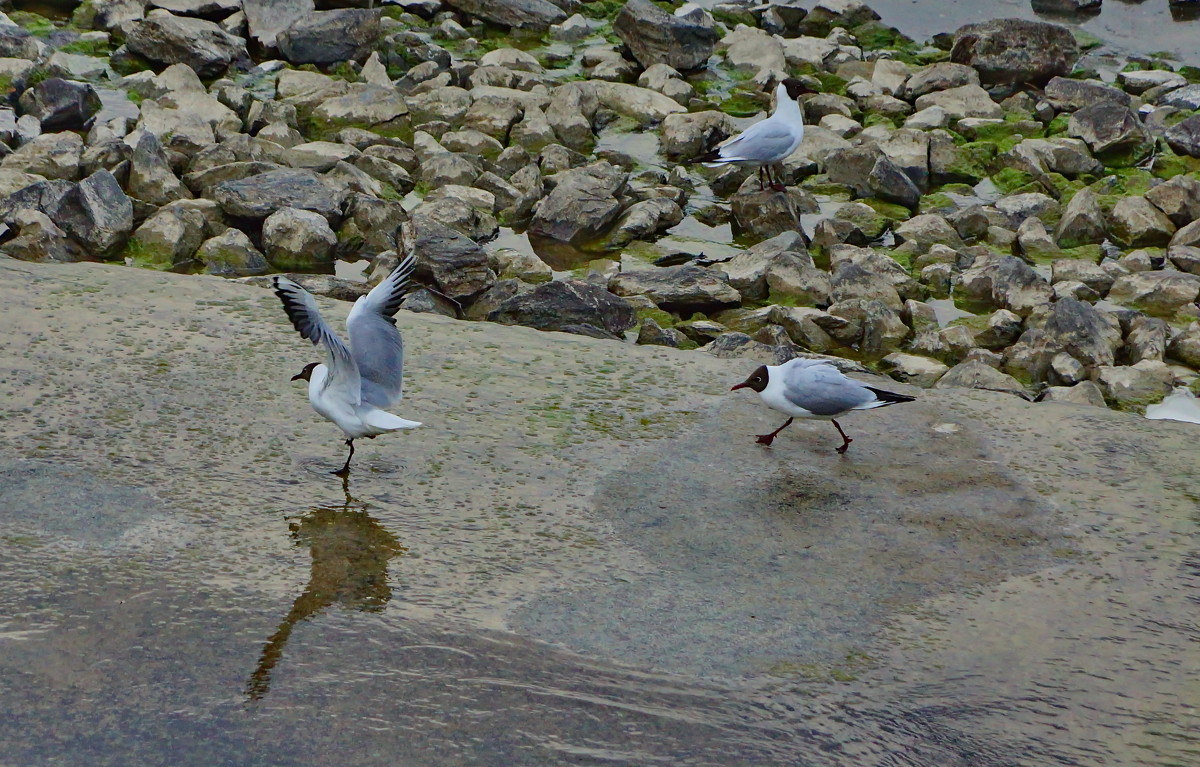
x=354, y=385
x=804, y=388
x=766, y=142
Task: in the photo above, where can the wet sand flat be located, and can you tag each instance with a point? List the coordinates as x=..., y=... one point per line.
x=582, y=557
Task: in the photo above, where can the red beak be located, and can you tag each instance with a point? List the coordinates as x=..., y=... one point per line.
x=738, y=386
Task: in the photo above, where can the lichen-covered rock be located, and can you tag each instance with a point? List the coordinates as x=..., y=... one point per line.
x=657, y=37
x=96, y=214
x=1015, y=50
x=260, y=195
x=1082, y=221
x=61, y=104
x=1136, y=223
x=1132, y=387
x=231, y=254
x=570, y=306
x=298, y=239
x=913, y=369
x=759, y=215
x=168, y=238
x=974, y=374
x=522, y=14
x=165, y=38
x=1161, y=293
x=1113, y=132
x=446, y=258
x=583, y=204
x=684, y=289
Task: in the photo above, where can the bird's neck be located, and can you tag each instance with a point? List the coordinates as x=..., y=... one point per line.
x=789, y=108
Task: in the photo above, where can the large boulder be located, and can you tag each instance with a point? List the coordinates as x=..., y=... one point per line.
x=582, y=205
x=1113, y=132
x=39, y=239
x=1136, y=223
x=150, y=176
x=164, y=38
x=61, y=104
x=170, y=237
x=870, y=173
x=231, y=254
x=758, y=215
x=1079, y=329
x=684, y=289
x=260, y=195
x=524, y=14
x=657, y=37
x=1161, y=293
x=570, y=306
x=267, y=18
x=96, y=214
x=327, y=37
x=1184, y=137
x=1178, y=198
x=1004, y=282
x=1015, y=50
x=298, y=239
x=446, y=258
x=1068, y=95
x=1082, y=221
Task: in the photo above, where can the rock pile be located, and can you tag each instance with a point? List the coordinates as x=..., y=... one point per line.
x=943, y=221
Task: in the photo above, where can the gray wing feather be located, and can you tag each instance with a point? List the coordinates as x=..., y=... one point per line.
x=302, y=310
x=823, y=390
x=376, y=343
x=767, y=141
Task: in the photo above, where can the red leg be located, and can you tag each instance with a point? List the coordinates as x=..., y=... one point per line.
x=776, y=184
x=767, y=439
x=846, y=444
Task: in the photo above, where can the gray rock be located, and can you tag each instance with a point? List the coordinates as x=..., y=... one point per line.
x=41, y=195
x=880, y=328
x=298, y=239
x=1082, y=393
x=644, y=220
x=1068, y=95
x=260, y=195
x=667, y=81
x=1187, y=235
x=168, y=39
x=1186, y=258
x=1185, y=346
x=39, y=239
x=1080, y=330
x=570, y=115
x=1019, y=207
x=1179, y=198
x=169, y=237
x=50, y=155
x=759, y=215
x=1005, y=282
x=1184, y=137
x=1146, y=340
x=913, y=369
x=1082, y=222
x=1067, y=156
x=203, y=8
x=61, y=104
x=1003, y=329
x=683, y=289
x=425, y=301
x=964, y=101
x=869, y=173
x=1096, y=277
x=372, y=107
x=570, y=306
x=150, y=177
x=1157, y=293
x=651, y=333
x=742, y=346
x=231, y=254
x=1034, y=242
x=327, y=37
x=939, y=77
x=583, y=204
x=926, y=230
x=1187, y=97
x=268, y=18
x=657, y=37
x=1132, y=387
x=1113, y=132
x=17, y=43
x=446, y=259
x=950, y=345
x=1015, y=50
x=690, y=134
x=974, y=374
x=96, y=214
x=523, y=14
x=1136, y=223
x=747, y=271
x=1141, y=80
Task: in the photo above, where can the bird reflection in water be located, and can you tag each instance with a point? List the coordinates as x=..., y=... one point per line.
x=350, y=554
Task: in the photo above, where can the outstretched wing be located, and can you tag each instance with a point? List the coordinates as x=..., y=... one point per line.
x=374, y=340
x=302, y=310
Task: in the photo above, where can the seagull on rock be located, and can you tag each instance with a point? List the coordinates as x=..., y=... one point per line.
x=769, y=141
x=804, y=388
x=355, y=384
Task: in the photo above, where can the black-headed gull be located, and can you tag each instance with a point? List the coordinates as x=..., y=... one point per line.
x=355, y=384
x=804, y=388
x=768, y=141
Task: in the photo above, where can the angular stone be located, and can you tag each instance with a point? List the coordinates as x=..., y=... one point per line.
x=1015, y=50
x=1068, y=95
x=870, y=173
x=1178, y=198
x=1082, y=393
x=39, y=239
x=1082, y=222
x=570, y=306
x=61, y=104
x=523, y=14
x=964, y=101
x=446, y=258
x=1005, y=282
x=1132, y=387
x=683, y=289
x=168, y=39
x=327, y=37
x=1136, y=223
x=974, y=374
x=1113, y=132
x=170, y=237
x=1158, y=293
x=913, y=369
x=1184, y=137
x=759, y=215
x=582, y=205
x=298, y=239
x=657, y=37
x=150, y=177
x=258, y=196
x=96, y=214
x=50, y=155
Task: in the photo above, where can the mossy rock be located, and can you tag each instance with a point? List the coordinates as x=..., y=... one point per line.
x=872, y=224
x=34, y=24
x=1009, y=180
x=1058, y=126
x=732, y=15
x=664, y=319
x=937, y=203
x=875, y=35
x=1167, y=165
x=147, y=256
x=98, y=48
x=742, y=104
x=888, y=209
x=1191, y=73
x=820, y=184
x=831, y=83
x=878, y=119
x=1091, y=253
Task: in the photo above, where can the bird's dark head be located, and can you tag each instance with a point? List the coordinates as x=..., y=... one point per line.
x=306, y=373
x=757, y=380
x=796, y=88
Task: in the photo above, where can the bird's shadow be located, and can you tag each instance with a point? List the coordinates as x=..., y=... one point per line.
x=350, y=552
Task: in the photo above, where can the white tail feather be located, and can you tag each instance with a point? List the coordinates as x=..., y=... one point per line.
x=384, y=421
